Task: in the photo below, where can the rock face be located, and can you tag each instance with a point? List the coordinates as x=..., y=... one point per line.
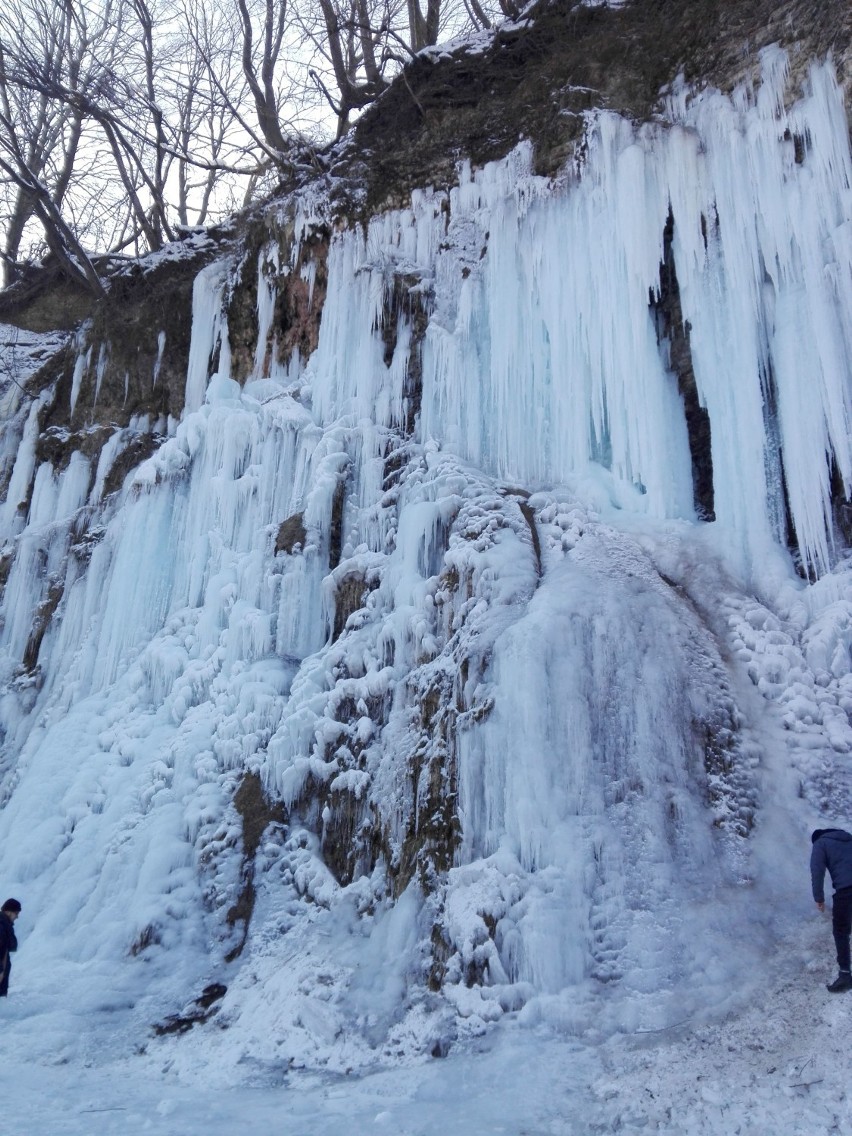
x=364, y=640
x=537, y=79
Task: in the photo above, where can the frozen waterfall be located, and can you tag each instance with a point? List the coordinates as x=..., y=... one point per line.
x=443, y=589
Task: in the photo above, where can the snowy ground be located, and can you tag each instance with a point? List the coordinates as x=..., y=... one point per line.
x=776, y=1060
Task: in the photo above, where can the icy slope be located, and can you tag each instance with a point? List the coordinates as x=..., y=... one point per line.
x=532, y=739
x=777, y=1065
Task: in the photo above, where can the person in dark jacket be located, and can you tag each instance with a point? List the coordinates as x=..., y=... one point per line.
x=8, y=943
x=832, y=850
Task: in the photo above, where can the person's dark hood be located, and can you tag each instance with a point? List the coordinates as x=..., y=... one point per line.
x=832, y=834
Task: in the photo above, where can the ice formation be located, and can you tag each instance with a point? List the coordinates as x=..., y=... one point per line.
x=441, y=587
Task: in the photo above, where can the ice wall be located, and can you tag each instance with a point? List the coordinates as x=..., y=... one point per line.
x=541, y=300
x=491, y=671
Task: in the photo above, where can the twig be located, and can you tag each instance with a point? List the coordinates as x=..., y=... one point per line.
x=417, y=102
x=663, y=1029
x=114, y=1108
x=807, y=1084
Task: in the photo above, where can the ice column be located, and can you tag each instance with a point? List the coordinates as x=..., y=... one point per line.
x=208, y=329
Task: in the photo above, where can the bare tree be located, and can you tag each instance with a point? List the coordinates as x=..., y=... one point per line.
x=44, y=48
x=122, y=120
x=354, y=47
x=75, y=76
x=423, y=27
x=259, y=66
x=203, y=118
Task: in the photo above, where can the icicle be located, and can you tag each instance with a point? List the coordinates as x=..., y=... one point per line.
x=766, y=284
x=207, y=322
x=267, y=291
x=158, y=362
x=24, y=467
x=308, y=273
x=81, y=365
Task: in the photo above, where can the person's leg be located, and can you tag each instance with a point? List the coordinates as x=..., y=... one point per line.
x=841, y=925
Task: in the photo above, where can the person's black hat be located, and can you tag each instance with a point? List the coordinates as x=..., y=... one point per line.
x=817, y=833
x=11, y=905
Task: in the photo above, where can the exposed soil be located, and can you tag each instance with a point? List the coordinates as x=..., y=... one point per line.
x=201, y=1010
x=536, y=80
x=257, y=814
x=137, y=341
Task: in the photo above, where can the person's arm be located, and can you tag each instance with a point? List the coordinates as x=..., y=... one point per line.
x=818, y=866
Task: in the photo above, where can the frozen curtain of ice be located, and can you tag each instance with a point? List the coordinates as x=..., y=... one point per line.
x=547, y=646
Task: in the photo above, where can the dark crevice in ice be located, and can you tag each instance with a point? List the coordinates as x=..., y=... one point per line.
x=674, y=332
